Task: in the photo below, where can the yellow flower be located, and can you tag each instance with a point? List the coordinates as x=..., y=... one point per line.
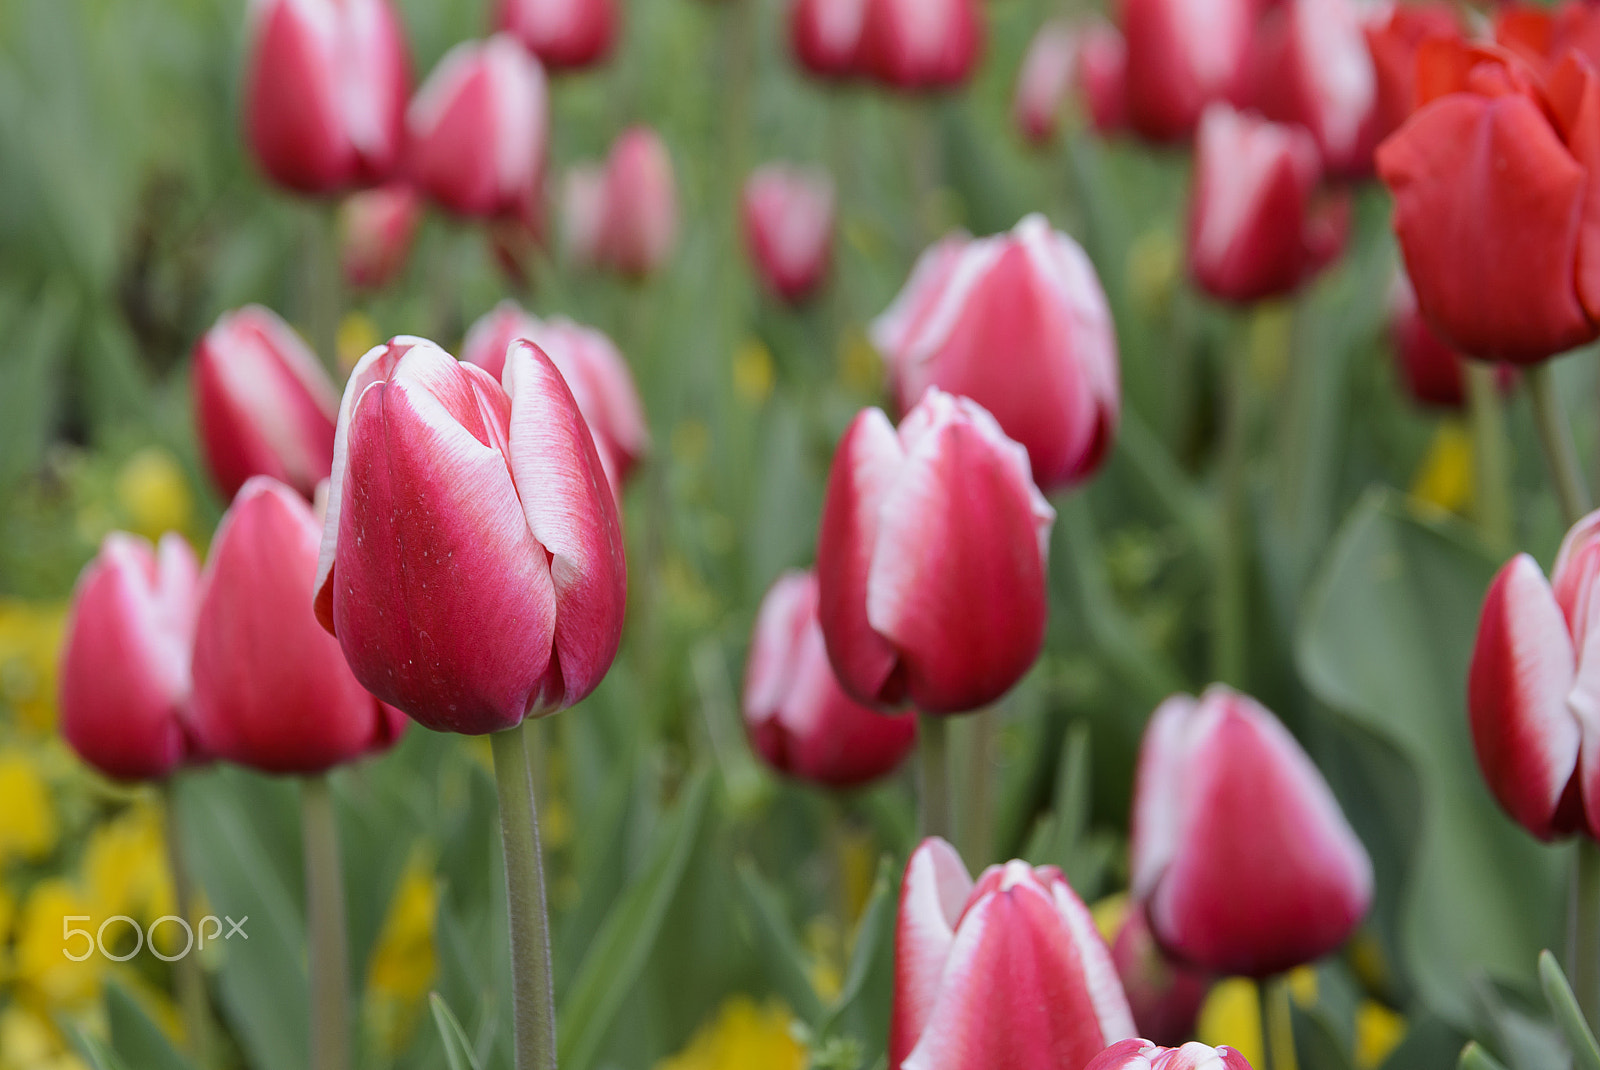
x=858, y=863
x=42, y=967
x=824, y=945
x=1444, y=479
x=1232, y=1016
x=357, y=334
x=1379, y=1031
x=404, y=962
x=1154, y=263
x=27, y=819
x=752, y=372
x=30, y=639
x=1109, y=914
x=860, y=365
x=743, y=1036
x=125, y=868
x=154, y=494
x=1303, y=985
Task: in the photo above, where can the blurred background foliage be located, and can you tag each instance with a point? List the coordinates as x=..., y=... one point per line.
x=707, y=914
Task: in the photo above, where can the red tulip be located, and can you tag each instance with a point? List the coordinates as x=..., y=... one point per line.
x=1008, y=972
x=1394, y=41
x=1181, y=56
x=471, y=562
x=1532, y=691
x=271, y=688
x=562, y=33
x=1140, y=1054
x=592, y=367
x=1165, y=996
x=1017, y=322
x=920, y=44
x=639, y=216
x=376, y=227
x=826, y=35
x=788, y=226
x=478, y=128
x=798, y=717
x=1544, y=35
x=583, y=206
x=1240, y=854
x=262, y=403
x=1432, y=372
x=1048, y=71
x=1103, y=76
x=325, y=92
x=1496, y=204
x=931, y=558
x=125, y=683
x=1254, y=231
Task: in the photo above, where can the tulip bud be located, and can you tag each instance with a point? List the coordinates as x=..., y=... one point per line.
x=564, y=34
x=1431, y=372
x=478, y=128
x=325, y=92
x=271, y=688
x=639, y=215
x=1165, y=996
x=1183, y=55
x=1103, y=76
x=1240, y=853
x=1140, y=1054
x=262, y=403
x=471, y=562
x=826, y=35
x=376, y=227
x=1394, y=41
x=125, y=683
x=931, y=558
x=1008, y=972
x=920, y=44
x=788, y=225
x=1047, y=73
x=1253, y=230
x=798, y=717
x=592, y=367
x=1019, y=324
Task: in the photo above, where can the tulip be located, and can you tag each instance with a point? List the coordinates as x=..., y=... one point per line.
x=798, y=717
x=271, y=689
x=478, y=128
x=125, y=683
x=263, y=404
x=1495, y=209
x=788, y=225
x=594, y=371
x=1544, y=35
x=639, y=214
x=1431, y=372
x=1047, y=73
x=931, y=558
x=562, y=33
x=471, y=562
x=920, y=44
x=1240, y=854
x=1394, y=42
x=376, y=227
x=1532, y=693
x=1253, y=229
x=325, y=92
x=1018, y=323
x=1181, y=56
x=826, y=35
x=1008, y=972
x=1165, y=996
x=1103, y=76
x=583, y=206
x=1140, y=1054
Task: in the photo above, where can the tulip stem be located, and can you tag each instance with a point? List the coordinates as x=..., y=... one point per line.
x=1491, y=457
x=1230, y=597
x=1585, y=955
x=533, y=989
x=933, y=756
x=1555, y=435
x=189, y=976
x=1277, y=1026
x=329, y=950
x=978, y=819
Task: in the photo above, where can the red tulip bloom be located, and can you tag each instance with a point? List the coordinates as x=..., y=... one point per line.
x=826, y=35
x=1165, y=996
x=1008, y=972
x=263, y=404
x=788, y=227
x=1047, y=74
x=1240, y=853
x=375, y=229
x=1544, y=35
x=920, y=44
x=1018, y=323
x=1103, y=76
x=271, y=688
x=562, y=33
x=931, y=558
x=472, y=563
x=1140, y=1054
x=1181, y=56
x=1431, y=372
x=1394, y=41
x=639, y=207
x=125, y=681
x=325, y=92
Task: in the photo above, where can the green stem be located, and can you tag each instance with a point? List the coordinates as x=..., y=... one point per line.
x=1491, y=456
x=533, y=990
x=978, y=817
x=189, y=976
x=927, y=165
x=1228, y=601
x=1585, y=952
x=1277, y=1027
x=933, y=758
x=329, y=950
x=1555, y=435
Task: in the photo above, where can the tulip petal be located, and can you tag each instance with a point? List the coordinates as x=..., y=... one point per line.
x=1157, y=801
x=933, y=895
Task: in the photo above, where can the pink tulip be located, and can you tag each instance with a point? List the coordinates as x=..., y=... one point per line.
x=1183, y=55
x=271, y=688
x=1103, y=76
x=1240, y=853
x=1254, y=231
x=1140, y=1054
x=125, y=683
x=1008, y=972
x=1533, y=693
x=1017, y=322
x=477, y=130
x=1048, y=72
x=1165, y=996
x=564, y=34
x=583, y=208
x=639, y=217
x=262, y=403
x=920, y=44
x=798, y=717
x=472, y=563
x=788, y=226
x=826, y=35
x=931, y=558
x=594, y=371
x=376, y=227
x=325, y=92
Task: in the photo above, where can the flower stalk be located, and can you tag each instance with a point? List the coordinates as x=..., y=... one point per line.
x=933, y=763
x=325, y=927
x=189, y=977
x=533, y=989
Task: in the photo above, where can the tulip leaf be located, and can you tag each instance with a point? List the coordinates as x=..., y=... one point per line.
x=457, y=1049
x=94, y=1049
x=779, y=949
x=1564, y=1005
x=877, y=920
x=136, y=1038
x=1474, y=1057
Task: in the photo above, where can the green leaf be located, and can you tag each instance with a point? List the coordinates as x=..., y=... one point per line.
x=780, y=951
x=135, y=1037
x=877, y=921
x=1473, y=1057
x=457, y=1049
x=1564, y=1005
x=100, y=1057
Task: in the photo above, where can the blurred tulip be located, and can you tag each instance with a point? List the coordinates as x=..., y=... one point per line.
x=1240, y=853
x=931, y=558
x=788, y=226
x=798, y=717
x=826, y=35
x=376, y=227
x=1393, y=41
x=1017, y=322
x=478, y=128
x=271, y=688
x=1544, y=35
x=472, y=563
x=325, y=92
x=1181, y=56
x=1140, y=1054
x=1103, y=76
x=1254, y=231
x=591, y=365
x=1494, y=202
x=562, y=33
x=1008, y=972
x=262, y=403
x=639, y=210
x=1431, y=371
x=1047, y=73
x=125, y=683
x=920, y=44
x=1532, y=691
x=583, y=206
x=1165, y=996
